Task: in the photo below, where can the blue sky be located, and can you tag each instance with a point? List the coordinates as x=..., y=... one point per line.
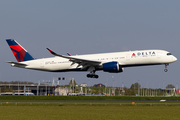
x=96, y=26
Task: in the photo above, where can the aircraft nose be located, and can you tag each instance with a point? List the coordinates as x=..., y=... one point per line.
x=174, y=59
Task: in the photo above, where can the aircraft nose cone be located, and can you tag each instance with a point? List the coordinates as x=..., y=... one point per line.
x=174, y=59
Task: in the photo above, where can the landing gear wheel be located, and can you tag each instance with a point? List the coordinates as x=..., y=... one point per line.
x=96, y=76
x=92, y=76
x=165, y=70
x=88, y=75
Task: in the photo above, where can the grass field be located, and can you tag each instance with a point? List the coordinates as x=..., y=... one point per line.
x=88, y=108
x=89, y=112
x=11, y=101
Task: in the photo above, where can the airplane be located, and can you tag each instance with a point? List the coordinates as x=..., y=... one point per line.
x=108, y=62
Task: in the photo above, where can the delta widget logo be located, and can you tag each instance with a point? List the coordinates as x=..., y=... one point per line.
x=143, y=54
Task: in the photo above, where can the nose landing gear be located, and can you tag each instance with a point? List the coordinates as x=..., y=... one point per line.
x=165, y=70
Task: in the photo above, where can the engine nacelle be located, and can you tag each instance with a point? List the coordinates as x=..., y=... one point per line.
x=112, y=67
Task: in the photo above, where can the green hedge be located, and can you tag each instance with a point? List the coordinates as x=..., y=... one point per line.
x=11, y=97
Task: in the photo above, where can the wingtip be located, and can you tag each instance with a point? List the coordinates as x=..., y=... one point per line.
x=50, y=51
x=69, y=54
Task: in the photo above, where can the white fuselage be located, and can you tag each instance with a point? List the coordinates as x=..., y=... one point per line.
x=125, y=59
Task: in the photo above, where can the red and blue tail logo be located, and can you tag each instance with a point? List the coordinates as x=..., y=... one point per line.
x=19, y=52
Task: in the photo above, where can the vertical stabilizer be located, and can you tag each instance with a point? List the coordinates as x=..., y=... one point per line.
x=19, y=52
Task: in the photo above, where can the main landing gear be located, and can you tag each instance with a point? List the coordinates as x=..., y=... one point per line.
x=165, y=70
x=92, y=75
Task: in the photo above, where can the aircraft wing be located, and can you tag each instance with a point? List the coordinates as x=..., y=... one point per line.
x=17, y=64
x=80, y=61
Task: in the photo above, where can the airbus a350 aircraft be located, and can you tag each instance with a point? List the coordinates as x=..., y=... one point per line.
x=108, y=62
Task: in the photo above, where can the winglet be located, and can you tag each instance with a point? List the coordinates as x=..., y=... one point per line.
x=51, y=51
x=69, y=54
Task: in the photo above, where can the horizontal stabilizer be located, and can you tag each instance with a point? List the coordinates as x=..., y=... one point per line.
x=16, y=64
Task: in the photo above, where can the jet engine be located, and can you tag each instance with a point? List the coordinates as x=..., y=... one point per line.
x=112, y=67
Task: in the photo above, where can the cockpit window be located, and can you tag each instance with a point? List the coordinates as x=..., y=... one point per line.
x=169, y=54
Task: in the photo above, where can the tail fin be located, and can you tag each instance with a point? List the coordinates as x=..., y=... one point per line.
x=19, y=52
